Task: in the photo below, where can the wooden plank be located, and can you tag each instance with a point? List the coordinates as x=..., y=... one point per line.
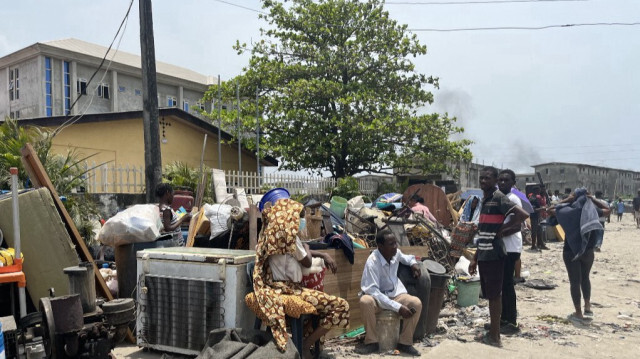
x=346, y=282
x=253, y=226
x=434, y=198
x=39, y=178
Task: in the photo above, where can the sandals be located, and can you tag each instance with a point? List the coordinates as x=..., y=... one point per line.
x=588, y=313
x=575, y=320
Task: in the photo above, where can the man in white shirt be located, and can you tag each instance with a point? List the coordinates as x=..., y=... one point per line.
x=383, y=290
x=513, y=245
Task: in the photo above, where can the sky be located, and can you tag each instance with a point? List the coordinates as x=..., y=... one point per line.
x=524, y=97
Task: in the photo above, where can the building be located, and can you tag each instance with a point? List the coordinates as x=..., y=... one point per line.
x=46, y=79
x=115, y=139
x=463, y=175
x=565, y=177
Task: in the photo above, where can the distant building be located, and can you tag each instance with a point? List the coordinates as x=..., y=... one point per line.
x=45, y=79
x=565, y=177
x=465, y=175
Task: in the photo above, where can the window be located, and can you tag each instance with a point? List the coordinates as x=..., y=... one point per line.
x=171, y=101
x=185, y=106
x=137, y=92
x=103, y=91
x=121, y=89
x=67, y=87
x=200, y=105
x=14, y=84
x=562, y=171
x=15, y=115
x=81, y=87
x=546, y=171
x=48, y=87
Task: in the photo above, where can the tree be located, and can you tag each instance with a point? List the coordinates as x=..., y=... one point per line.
x=338, y=92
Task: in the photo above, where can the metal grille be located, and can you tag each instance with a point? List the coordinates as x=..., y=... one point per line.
x=180, y=312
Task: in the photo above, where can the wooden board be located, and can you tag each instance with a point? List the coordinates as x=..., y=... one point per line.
x=559, y=232
x=346, y=282
x=39, y=178
x=435, y=199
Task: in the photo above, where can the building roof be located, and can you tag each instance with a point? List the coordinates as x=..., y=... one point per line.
x=120, y=57
x=115, y=116
x=582, y=164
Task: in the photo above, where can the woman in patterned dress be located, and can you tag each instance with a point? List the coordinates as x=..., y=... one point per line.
x=278, y=237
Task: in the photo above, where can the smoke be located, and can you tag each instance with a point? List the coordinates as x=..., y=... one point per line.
x=457, y=103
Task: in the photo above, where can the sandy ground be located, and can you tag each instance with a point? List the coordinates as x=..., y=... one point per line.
x=614, y=332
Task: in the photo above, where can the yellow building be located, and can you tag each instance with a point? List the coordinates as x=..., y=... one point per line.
x=117, y=138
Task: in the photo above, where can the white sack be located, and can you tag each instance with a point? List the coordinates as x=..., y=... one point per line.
x=218, y=215
x=139, y=223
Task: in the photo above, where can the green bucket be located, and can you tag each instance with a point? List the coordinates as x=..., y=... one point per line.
x=468, y=293
x=338, y=206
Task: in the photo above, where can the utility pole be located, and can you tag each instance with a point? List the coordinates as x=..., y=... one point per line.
x=152, y=155
x=239, y=133
x=258, y=136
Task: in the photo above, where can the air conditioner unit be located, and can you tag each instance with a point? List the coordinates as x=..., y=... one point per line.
x=184, y=293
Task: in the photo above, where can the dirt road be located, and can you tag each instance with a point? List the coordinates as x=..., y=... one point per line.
x=614, y=333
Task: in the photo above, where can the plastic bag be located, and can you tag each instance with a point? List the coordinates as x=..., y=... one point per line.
x=139, y=223
x=218, y=215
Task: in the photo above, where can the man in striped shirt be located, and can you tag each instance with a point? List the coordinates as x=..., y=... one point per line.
x=491, y=253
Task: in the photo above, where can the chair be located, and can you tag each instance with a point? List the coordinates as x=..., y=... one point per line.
x=296, y=311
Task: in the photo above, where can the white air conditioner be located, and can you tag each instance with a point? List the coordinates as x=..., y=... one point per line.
x=184, y=293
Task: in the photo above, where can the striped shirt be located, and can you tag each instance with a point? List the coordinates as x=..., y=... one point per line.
x=494, y=210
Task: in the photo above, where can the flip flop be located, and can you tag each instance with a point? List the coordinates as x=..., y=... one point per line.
x=588, y=313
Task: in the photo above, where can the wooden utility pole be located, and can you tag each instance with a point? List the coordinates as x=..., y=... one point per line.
x=152, y=156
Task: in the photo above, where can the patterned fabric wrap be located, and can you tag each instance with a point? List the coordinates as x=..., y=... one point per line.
x=461, y=236
x=278, y=236
x=314, y=281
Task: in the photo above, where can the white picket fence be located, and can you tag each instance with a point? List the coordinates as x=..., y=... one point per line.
x=107, y=178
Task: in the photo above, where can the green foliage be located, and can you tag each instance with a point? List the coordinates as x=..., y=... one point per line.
x=386, y=187
x=347, y=188
x=181, y=176
x=339, y=92
x=65, y=171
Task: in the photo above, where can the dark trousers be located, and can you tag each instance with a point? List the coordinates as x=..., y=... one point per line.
x=509, y=310
x=578, y=271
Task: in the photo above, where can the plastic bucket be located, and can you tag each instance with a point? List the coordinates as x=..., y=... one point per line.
x=273, y=196
x=388, y=329
x=436, y=298
x=468, y=293
x=338, y=206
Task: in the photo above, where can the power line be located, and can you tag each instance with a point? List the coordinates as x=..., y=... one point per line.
x=474, y=2
x=528, y=27
x=74, y=119
x=241, y=6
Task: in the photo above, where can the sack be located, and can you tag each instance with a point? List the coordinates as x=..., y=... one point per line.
x=218, y=215
x=461, y=236
x=139, y=223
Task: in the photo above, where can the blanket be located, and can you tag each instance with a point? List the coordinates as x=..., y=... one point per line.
x=579, y=220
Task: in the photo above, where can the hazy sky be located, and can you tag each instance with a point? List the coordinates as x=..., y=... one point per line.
x=523, y=96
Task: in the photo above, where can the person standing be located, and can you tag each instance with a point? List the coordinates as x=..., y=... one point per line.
x=577, y=215
x=382, y=289
x=636, y=209
x=171, y=223
x=489, y=259
x=513, y=246
x=620, y=208
x=536, y=235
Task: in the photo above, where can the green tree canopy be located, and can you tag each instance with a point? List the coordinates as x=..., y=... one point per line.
x=338, y=92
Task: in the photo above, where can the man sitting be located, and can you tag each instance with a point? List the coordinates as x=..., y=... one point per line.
x=383, y=290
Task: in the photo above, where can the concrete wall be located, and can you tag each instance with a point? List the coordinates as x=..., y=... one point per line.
x=32, y=93
x=111, y=203
x=31, y=89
